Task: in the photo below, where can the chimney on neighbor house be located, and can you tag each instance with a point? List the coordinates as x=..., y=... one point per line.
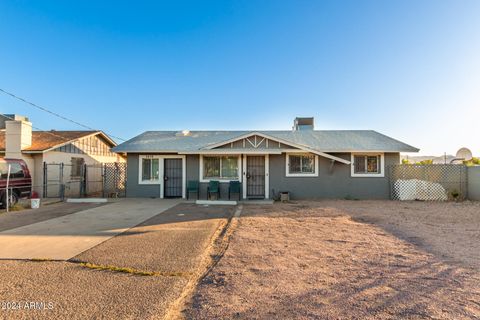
x=18, y=134
x=300, y=124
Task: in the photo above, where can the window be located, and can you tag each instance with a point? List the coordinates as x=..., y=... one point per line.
x=302, y=165
x=367, y=165
x=16, y=170
x=150, y=169
x=220, y=167
x=76, y=170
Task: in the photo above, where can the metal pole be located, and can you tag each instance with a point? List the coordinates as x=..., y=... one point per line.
x=116, y=176
x=104, y=174
x=7, y=198
x=45, y=179
x=61, y=183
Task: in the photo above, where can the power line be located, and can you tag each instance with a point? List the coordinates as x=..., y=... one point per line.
x=37, y=128
x=54, y=113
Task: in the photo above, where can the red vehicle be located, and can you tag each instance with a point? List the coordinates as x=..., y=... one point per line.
x=20, y=183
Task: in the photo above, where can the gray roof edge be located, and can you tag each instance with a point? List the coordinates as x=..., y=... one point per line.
x=408, y=147
x=126, y=147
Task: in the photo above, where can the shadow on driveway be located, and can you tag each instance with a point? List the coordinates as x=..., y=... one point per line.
x=15, y=219
x=172, y=241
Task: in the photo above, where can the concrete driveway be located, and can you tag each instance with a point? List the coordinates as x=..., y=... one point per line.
x=177, y=245
x=65, y=237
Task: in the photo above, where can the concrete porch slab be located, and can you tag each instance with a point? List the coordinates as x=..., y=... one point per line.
x=87, y=200
x=216, y=202
x=265, y=201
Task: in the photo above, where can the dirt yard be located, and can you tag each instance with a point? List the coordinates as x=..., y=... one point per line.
x=347, y=259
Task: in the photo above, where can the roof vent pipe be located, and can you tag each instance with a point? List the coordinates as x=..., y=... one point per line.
x=183, y=133
x=300, y=124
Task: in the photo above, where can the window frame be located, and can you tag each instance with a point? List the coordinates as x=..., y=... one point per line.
x=301, y=174
x=79, y=176
x=381, y=166
x=222, y=180
x=140, y=169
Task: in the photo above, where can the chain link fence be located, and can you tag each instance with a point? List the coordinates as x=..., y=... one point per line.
x=88, y=180
x=433, y=182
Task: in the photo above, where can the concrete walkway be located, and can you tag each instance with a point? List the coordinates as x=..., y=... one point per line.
x=65, y=237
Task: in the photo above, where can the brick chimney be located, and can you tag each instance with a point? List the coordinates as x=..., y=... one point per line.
x=18, y=135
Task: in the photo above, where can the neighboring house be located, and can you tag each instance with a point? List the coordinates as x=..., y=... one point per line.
x=73, y=148
x=306, y=162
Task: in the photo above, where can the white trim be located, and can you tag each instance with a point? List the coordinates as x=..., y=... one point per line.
x=295, y=145
x=239, y=163
x=267, y=176
x=367, y=175
x=184, y=173
x=243, y=136
x=271, y=151
x=244, y=174
x=287, y=166
x=161, y=171
x=369, y=151
x=140, y=169
x=237, y=151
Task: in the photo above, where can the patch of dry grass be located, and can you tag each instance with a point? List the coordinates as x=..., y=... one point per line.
x=133, y=271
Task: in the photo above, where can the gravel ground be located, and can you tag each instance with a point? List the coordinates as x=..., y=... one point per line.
x=79, y=293
x=313, y=260
x=173, y=242
x=449, y=230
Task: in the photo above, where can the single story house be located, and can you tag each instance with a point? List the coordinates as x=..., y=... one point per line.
x=307, y=163
x=36, y=148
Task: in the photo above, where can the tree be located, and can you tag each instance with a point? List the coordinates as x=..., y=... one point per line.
x=424, y=162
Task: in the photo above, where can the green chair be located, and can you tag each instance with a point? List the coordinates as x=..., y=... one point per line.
x=193, y=186
x=213, y=188
x=234, y=187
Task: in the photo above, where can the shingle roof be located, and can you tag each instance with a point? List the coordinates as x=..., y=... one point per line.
x=320, y=140
x=44, y=140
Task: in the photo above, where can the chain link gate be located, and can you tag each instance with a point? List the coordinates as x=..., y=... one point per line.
x=90, y=180
x=433, y=182
x=58, y=181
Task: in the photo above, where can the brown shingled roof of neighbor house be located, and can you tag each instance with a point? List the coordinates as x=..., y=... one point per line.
x=44, y=140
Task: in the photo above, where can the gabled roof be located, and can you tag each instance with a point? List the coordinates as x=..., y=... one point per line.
x=46, y=140
x=331, y=141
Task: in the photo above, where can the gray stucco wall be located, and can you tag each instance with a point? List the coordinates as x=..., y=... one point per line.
x=337, y=184
x=474, y=183
x=134, y=189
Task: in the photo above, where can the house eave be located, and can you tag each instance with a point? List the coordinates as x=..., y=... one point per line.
x=369, y=151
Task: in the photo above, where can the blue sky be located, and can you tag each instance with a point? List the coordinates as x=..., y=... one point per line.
x=409, y=69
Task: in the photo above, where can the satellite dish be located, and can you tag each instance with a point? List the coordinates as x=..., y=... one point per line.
x=464, y=154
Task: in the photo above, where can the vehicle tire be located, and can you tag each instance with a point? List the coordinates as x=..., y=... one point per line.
x=13, y=199
x=3, y=204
